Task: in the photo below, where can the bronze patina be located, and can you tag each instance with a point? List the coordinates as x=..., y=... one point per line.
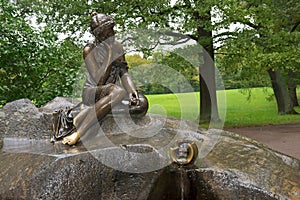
x=107, y=82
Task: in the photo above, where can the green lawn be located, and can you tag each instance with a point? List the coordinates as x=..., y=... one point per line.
x=233, y=104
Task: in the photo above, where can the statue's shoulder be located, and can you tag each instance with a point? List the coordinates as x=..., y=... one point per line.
x=118, y=46
x=88, y=48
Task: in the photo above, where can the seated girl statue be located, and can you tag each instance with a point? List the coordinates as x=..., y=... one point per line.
x=107, y=82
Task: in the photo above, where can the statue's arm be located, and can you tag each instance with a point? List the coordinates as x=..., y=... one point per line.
x=128, y=84
x=126, y=79
x=98, y=71
x=90, y=62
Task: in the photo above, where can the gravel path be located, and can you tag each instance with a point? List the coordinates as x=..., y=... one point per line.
x=283, y=138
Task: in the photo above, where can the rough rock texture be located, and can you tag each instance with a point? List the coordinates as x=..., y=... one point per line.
x=129, y=159
x=22, y=119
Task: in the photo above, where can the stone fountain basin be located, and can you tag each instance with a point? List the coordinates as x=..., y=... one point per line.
x=118, y=162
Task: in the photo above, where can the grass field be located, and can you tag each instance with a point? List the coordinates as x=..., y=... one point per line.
x=234, y=107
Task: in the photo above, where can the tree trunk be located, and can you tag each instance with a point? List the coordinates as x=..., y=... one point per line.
x=292, y=86
x=208, y=96
x=284, y=103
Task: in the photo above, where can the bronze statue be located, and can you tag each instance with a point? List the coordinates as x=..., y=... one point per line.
x=105, y=62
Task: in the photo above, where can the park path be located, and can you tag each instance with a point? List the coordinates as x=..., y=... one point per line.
x=283, y=138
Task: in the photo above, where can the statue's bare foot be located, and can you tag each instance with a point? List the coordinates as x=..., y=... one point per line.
x=71, y=139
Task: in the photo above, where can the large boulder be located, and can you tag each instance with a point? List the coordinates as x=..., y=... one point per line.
x=22, y=119
x=124, y=158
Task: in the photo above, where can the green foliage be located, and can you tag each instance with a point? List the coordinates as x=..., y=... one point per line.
x=185, y=68
x=163, y=73
x=267, y=37
x=191, y=18
x=33, y=63
x=71, y=17
x=240, y=75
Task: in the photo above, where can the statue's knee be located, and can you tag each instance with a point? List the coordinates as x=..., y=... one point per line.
x=118, y=92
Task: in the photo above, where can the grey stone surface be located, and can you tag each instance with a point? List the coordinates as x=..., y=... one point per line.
x=22, y=118
x=81, y=176
x=128, y=159
x=58, y=103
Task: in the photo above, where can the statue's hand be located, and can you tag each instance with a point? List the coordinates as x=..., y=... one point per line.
x=134, y=99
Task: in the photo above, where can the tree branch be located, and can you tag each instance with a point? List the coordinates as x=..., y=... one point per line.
x=227, y=33
x=295, y=26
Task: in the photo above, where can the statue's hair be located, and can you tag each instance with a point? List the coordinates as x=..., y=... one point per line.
x=100, y=22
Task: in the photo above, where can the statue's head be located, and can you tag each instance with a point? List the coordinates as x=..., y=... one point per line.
x=102, y=26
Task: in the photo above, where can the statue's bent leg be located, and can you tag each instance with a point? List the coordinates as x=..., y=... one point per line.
x=91, y=115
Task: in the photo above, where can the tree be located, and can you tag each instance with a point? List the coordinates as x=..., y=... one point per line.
x=185, y=68
x=269, y=32
x=191, y=18
x=33, y=63
x=292, y=86
x=268, y=40
x=237, y=74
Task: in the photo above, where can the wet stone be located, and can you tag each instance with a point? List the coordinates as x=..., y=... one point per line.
x=123, y=158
